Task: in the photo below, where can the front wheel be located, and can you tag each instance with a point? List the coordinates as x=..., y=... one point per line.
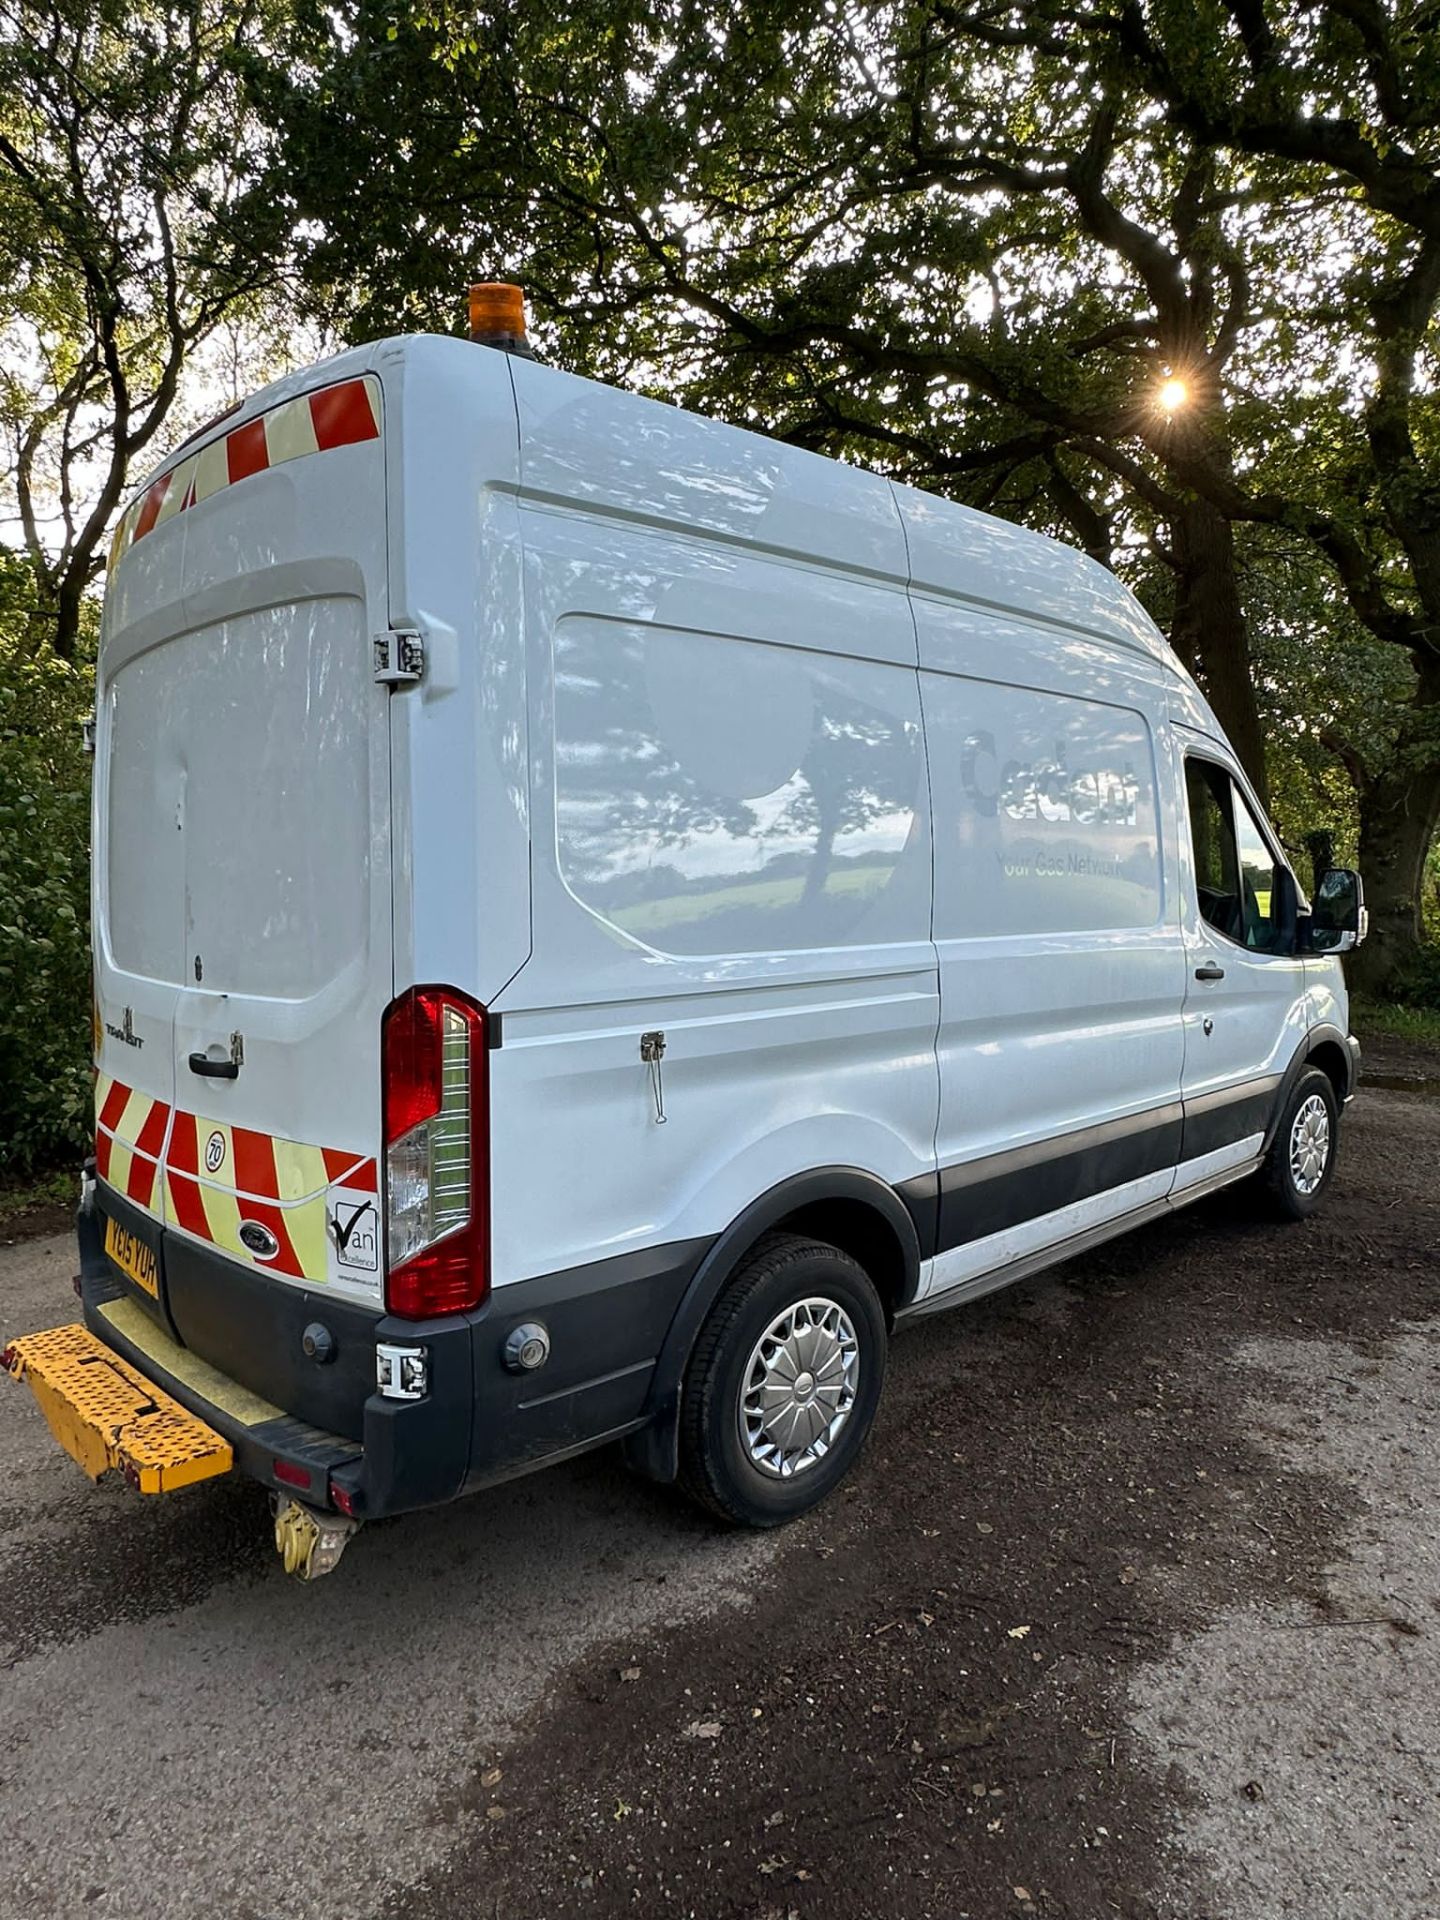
x=1301, y=1160
x=783, y=1384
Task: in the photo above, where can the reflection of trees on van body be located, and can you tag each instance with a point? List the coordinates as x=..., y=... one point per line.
x=639, y=795
x=648, y=841
x=853, y=780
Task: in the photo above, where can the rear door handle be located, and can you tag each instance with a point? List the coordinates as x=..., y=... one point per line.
x=209, y=1069
x=214, y=1069
x=1208, y=972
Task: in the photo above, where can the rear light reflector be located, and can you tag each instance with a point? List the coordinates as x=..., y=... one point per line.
x=292, y=1475
x=435, y=1098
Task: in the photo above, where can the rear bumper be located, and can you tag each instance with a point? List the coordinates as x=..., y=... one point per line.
x=261, y=1435
x=227, y=1343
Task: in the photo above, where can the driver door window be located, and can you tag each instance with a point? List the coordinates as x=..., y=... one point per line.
x=1235, y=870
x=1212, y=836
x=1259, y=889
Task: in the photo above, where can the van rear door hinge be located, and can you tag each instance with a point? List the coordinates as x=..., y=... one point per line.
x=399, y=657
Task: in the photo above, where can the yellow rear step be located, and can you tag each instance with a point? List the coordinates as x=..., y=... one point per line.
x=106, y=1414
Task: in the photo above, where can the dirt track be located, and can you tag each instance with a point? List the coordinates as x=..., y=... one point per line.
x=1199, y=1469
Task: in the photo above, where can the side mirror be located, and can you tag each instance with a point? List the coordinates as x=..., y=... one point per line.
x=1338, y=920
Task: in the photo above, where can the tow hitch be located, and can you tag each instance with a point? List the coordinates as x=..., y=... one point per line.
x=309, y=1543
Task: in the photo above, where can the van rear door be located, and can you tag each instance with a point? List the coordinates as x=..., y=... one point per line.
x=256, y=740
x=135, y=882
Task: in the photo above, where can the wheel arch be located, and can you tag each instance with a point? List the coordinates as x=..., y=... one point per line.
x=844, y=1206
x=1332, y=1057
x=1324, y=1047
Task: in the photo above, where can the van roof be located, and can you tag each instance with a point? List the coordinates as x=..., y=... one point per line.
x=604, y=449
x=601, y=447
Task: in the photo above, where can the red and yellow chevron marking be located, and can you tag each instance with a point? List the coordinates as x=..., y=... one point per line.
x=335, y=416
x=218, y=1176
x=130, y=1130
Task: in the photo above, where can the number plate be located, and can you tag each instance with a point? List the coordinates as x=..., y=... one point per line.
x=133, y=1257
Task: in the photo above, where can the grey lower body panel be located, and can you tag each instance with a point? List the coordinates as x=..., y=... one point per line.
x=981, y=1197
x=1072, y=1245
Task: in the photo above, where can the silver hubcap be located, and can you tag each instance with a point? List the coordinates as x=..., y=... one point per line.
x=800, y=1386
x=1309, y=1144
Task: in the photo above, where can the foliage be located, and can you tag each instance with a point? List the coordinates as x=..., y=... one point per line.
x=44, y=888
x=1399, y=1019
x=1331, y=696
x=1417, y=984
x=21, y=1202
x=123, y=149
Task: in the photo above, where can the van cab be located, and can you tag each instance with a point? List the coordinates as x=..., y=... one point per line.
x=600, y=916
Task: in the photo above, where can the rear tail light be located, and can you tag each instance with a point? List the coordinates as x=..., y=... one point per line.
x=437, y=1157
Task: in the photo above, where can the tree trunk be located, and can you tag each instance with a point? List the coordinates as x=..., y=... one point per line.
x=69, y=603
x=1399, y=812
x=1399, y=809
x=1209, y=630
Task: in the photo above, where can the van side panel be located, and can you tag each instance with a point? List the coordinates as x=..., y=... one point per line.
x=731, y=836
x=1058, y=933
x=993, y=566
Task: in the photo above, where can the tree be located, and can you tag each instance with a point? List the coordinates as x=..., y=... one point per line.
x=1349, y=93
x=124, y=146
x=981, y=246
x=45, y=1076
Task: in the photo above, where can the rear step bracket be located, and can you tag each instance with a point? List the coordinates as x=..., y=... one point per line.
x=109, y=1417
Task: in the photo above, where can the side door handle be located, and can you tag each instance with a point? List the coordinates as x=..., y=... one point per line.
x=1209, y=971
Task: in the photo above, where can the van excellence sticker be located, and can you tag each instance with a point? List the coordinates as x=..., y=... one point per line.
x=352, y=1228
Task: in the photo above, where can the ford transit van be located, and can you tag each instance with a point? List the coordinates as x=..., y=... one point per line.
x=599, y=917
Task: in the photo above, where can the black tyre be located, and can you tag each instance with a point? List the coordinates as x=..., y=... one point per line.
x=1301, y=1161
x=783, y=1384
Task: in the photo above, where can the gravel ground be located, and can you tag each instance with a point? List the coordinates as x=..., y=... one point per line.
x=1305, y=1728
x=1132, y=1608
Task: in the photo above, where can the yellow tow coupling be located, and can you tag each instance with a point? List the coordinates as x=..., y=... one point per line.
x=107, y=1415
x=309, y=1543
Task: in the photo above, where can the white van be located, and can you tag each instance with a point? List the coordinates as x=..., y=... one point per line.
x=599, y=916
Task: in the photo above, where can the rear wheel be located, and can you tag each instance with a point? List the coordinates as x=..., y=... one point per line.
x=783, y=1384
x=1301, y=1160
